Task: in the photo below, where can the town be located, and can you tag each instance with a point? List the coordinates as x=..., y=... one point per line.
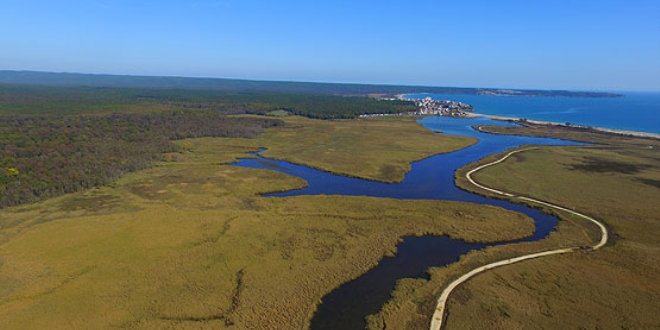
x=429, y=106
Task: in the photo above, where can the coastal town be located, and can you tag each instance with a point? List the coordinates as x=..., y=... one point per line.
x=429, y=106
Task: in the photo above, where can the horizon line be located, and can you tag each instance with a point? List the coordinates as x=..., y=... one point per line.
x=327, y=82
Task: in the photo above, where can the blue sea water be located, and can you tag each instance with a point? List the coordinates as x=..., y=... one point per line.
x=637, y=111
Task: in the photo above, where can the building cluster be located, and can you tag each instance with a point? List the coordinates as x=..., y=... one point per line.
x=429, y=106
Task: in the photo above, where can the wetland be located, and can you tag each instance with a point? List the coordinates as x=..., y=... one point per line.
x=430, y=179
x=191, y=240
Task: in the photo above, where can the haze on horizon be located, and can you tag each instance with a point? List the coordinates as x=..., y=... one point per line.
x=586, y=45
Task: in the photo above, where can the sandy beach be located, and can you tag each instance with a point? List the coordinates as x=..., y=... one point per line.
x=538, y=122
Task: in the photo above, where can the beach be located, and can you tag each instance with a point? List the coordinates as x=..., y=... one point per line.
x=636, y=112
x=538, y=122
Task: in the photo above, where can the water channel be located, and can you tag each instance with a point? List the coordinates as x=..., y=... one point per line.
x=432, y=179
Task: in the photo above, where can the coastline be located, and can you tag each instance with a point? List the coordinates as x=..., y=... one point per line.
x=539, y=122
x=636, y=114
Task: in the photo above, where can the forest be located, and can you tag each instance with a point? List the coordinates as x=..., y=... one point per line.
x=49, y=155
x=264, y=87
x=36, y=99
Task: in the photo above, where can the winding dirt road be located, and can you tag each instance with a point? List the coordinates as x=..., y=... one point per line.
x=438, y=315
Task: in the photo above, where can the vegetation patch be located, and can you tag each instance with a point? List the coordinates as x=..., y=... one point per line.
x=614, y=287
x=575, y=133
x=47, y=156
x=650, y=182
x=225, y=317
x=215, y=254
x=92, y=203
x=48, y=100
x=372, y=149
x=603, y=165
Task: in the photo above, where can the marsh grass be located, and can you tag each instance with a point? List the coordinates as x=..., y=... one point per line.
x=617, y=287
x=189, y=244
x=373, y=149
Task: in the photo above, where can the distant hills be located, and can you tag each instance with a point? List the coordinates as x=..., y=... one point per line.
x=253, y=86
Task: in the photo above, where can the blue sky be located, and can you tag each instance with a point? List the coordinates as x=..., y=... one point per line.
x=586, y=44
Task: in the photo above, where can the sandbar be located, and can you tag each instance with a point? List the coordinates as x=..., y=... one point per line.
x=538, y=122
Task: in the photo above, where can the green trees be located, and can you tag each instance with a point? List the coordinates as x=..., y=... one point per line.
x=37, y=100
x=46, y=156
x=60, y=139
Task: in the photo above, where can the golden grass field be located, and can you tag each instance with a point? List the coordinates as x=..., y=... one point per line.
x=383, y=152
x=189, y=244
x=616, y=287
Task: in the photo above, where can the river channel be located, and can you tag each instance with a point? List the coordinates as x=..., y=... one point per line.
x=432, y=179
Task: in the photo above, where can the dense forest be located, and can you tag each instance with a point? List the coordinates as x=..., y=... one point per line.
x=29, y=99
x=264, y=87
x=50, y=155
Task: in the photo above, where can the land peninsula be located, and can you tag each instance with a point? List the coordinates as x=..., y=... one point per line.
x=546, y=127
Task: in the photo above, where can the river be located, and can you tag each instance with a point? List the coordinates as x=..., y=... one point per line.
x=430, y=179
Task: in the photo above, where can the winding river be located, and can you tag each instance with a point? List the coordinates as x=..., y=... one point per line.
x=431, y=179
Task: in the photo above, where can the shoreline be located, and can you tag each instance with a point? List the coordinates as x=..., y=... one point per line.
x=540, y=122
x=652, y=135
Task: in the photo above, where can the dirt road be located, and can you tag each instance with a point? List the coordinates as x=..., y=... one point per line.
x=438, y=315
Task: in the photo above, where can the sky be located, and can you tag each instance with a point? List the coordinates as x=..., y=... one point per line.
x=600, y=45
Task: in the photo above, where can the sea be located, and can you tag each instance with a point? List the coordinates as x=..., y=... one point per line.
x=636, y=111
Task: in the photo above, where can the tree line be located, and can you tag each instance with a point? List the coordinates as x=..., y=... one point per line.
x=29, y=99
x=49, y=155
x=254, y=86
x=58, y=139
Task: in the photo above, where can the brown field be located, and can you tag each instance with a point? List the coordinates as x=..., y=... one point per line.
x=616, y=287
x=190, y=244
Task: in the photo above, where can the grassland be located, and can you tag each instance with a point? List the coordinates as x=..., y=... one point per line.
x=617, y=287
x=382, y=152
x=190, y=244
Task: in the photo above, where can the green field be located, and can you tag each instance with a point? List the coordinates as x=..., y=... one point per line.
x=190, y=244
x=616, y=287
